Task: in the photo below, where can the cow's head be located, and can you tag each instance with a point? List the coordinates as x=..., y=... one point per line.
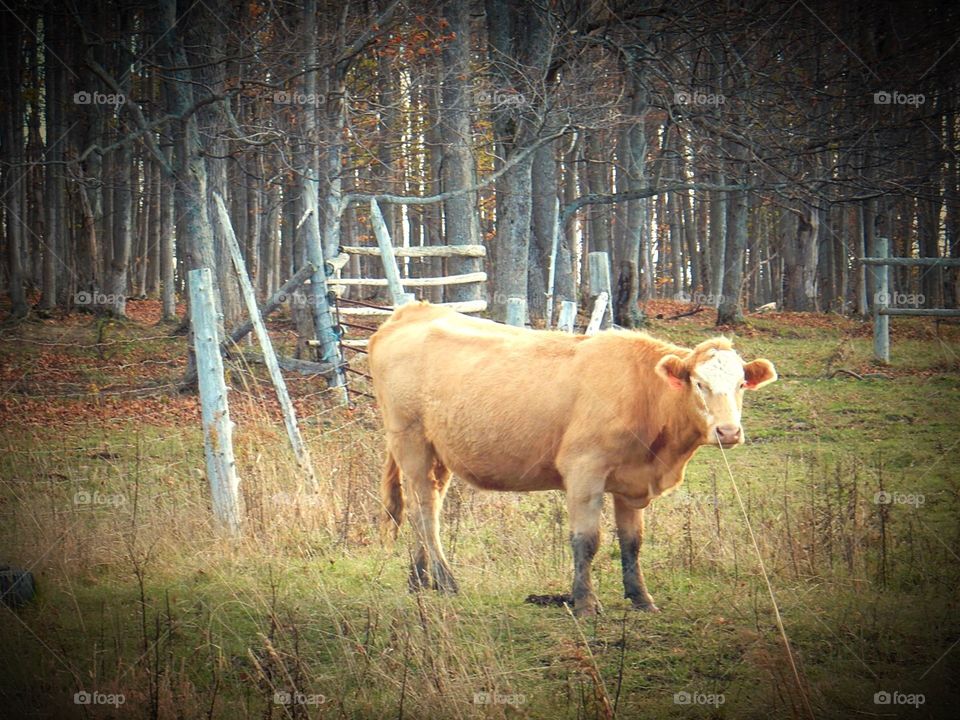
x=710, y=383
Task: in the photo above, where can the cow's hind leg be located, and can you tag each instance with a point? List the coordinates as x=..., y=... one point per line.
x=443, y=579
x=630, y=533
x=424, y=489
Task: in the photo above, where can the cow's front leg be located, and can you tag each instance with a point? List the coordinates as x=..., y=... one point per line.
x=584, y=509
x=630, y=534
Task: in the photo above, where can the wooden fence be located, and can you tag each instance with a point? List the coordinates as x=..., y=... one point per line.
x=442, y=251
x=882, y=309
x=399, y=286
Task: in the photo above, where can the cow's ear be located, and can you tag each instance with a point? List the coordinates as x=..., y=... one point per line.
x=672, y=369
x=758, y=373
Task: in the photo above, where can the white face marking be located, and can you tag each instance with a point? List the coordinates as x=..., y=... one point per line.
x=722, y=373
x=718, y=381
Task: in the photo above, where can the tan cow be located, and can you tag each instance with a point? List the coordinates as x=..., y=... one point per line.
x=512, y=409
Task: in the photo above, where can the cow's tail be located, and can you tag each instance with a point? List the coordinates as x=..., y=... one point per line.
x=391, y=493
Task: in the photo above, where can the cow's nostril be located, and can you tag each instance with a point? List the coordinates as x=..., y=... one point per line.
x=728, y=433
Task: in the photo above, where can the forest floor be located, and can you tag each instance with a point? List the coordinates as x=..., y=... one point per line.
x=852, y=487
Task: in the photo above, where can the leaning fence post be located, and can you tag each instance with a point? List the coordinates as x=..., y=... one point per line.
x=881, y=281
x=516, y=311
x=568, y=316
x=598, y=314
x=269, y=356
x=390, y=269
x=217, y=426
x=598, y=266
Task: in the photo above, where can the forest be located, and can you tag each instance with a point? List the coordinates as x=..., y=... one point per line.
x=734, y=153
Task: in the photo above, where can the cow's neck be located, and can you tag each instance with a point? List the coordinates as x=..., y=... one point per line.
x=678, y=439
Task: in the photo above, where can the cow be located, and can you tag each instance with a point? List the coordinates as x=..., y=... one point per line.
x=511, y=409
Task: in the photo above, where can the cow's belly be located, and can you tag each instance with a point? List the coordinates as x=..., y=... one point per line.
x=497, y=470
x=509, y=447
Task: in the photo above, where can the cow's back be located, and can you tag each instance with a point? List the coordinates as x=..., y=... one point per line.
x=494, y=401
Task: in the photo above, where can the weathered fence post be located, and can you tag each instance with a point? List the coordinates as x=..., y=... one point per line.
x=269, y=356
x=881, y=322
x=552, y=272
x=324, y=325
x=516, y=311
x=568, y=316
x=598, y=314
x=217, y=426
x=598, y=266
x=390, y=269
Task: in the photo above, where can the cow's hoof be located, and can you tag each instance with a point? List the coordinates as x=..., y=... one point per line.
x=588, y=609
x=443, y=581
x=644, y=604
x=419, y=579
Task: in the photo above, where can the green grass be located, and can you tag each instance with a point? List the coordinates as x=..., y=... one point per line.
x=140, y=596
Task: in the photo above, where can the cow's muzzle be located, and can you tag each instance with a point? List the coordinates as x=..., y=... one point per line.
x=728, y=435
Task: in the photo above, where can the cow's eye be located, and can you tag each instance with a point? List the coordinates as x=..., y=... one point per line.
x=700, y=387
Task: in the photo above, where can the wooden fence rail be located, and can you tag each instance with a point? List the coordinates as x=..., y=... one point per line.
x=414, y=282
x=475, y=251
x=882, y=312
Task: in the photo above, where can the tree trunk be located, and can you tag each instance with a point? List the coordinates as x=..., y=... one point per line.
x=598, y=181
x=800, y=254
x=635, y=157
x=729, y=311
x=566, y=288
x=53, y=242
x=167, y=243
x=11, y=151
x=457, y=166
x=543, y=215
x=123, y=239
x=718, y=239
x=191, y=170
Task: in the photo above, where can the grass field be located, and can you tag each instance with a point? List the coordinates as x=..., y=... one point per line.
x=851, y=486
